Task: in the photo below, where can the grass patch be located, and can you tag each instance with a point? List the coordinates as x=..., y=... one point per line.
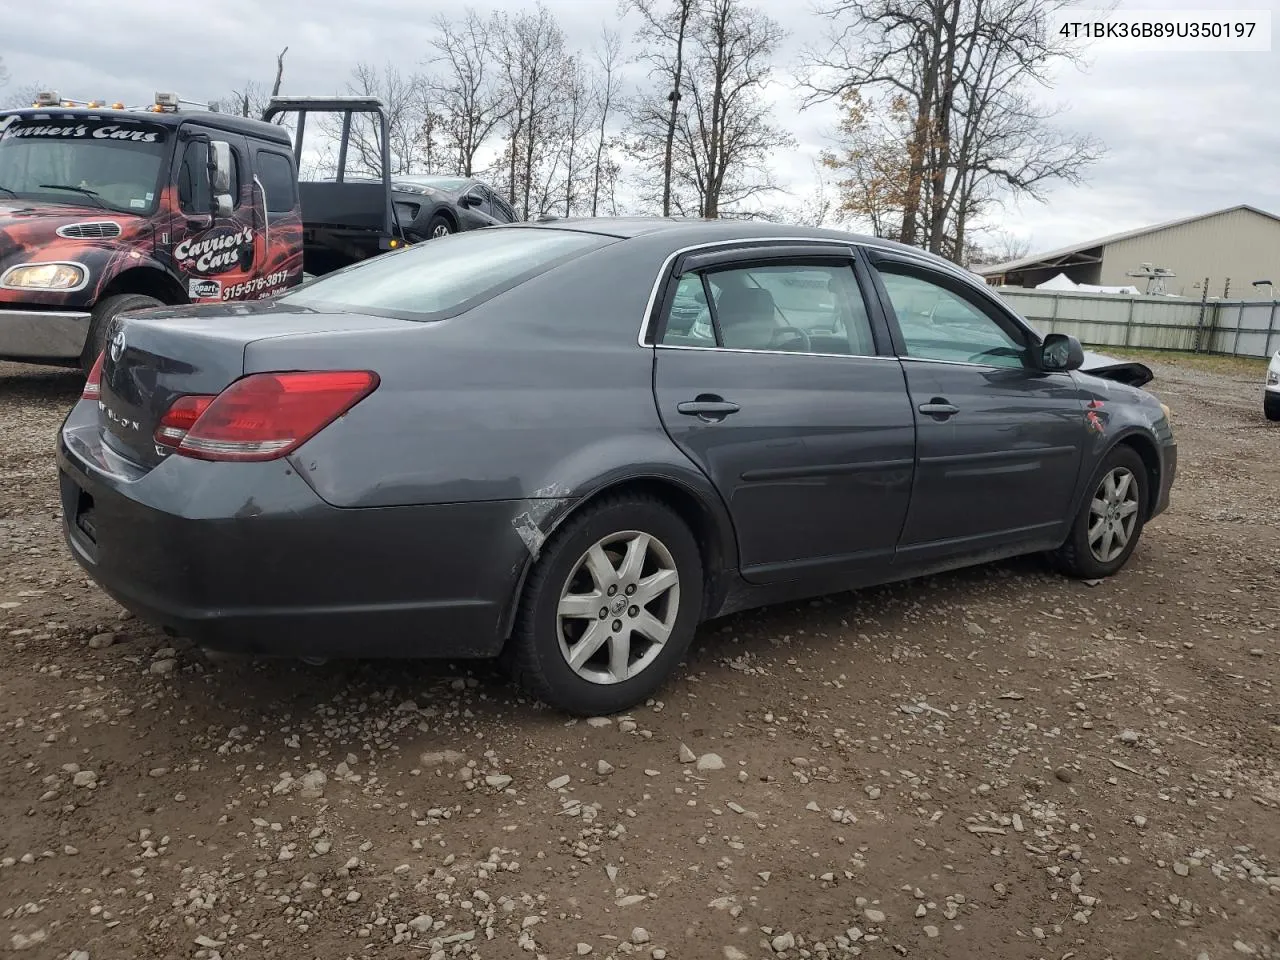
x=1252, y=367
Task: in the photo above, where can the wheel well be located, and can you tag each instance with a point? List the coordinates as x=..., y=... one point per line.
x=1145, y=449
x=149, y=282
x=687, y=507
x=448, y=215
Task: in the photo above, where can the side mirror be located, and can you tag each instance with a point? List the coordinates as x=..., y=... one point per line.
x=1061, y=352
x=470, y=200
x=220, y=167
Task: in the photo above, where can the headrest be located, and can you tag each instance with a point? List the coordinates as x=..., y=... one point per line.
x=743, y=303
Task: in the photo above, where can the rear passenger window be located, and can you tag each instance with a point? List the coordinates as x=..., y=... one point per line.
x=792, y=308
x=275, y=172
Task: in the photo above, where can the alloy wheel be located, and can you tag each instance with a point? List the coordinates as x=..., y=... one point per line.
x=618, y=607
x=440, y=230
x=1113, y=514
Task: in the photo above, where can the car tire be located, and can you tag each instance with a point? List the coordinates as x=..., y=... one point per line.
x=1110, y=503
x=104, y=312
x=626, y=666
x=1271, y=406
x=438, y=226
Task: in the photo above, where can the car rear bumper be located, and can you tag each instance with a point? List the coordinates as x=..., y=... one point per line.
x=48, y=335
x=247, y=558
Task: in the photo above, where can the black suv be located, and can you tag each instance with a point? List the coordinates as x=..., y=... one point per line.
x=436, y=206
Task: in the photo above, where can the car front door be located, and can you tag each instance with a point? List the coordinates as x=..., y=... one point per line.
x=773, y=377
x=999, y=441
x=477, y=208
x=212, y=253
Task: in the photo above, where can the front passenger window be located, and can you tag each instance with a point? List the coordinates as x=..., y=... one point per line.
x=937, y=324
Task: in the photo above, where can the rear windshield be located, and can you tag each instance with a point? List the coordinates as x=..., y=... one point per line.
x=444, y=277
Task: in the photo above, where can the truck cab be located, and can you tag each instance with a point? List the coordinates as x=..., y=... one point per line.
x=105, y=209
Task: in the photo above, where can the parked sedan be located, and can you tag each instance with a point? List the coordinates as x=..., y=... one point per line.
x=430, y=207
x=568, y=443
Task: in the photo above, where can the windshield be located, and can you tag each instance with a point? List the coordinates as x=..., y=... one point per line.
x=113, y=163
x=447, y=276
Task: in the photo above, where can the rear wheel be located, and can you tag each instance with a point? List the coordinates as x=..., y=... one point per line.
x=609, y=609
x=104, y=312
x=1271, y=405
x=1106, y=530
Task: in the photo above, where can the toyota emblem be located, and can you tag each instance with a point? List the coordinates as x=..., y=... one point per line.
x=117, y=346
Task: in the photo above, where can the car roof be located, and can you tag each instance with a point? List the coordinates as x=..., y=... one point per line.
x=695, y=231
x=433, y=177
x=227, y=122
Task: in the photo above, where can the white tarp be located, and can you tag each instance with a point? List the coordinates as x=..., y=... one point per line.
x=1063, y=282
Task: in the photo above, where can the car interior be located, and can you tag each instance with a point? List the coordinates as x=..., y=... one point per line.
x=802, y=309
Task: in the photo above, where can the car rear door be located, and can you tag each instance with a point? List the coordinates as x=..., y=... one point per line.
x=999, y=441
x=808, y=436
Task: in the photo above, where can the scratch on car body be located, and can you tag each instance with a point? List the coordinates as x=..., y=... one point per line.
x=531, y=522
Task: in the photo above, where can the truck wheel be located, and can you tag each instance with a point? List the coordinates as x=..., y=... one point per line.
x=105, y=311
x=1271, y=406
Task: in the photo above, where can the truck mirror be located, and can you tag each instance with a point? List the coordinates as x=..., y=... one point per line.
x=220, y=167
x=222, y=205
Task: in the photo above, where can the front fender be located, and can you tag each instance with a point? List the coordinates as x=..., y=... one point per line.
x=1114, y=414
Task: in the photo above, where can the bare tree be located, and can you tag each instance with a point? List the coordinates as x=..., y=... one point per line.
x=466, y=94
x=960, y=68
x=532, y=57
x=578, y=122
x=607, y=92
x=252, y=98
x=404, y=103
x=726, y=134
x=662, y=39
x=999, y=247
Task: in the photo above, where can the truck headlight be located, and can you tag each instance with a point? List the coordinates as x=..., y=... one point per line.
x=44, y=276
x=1273, y=378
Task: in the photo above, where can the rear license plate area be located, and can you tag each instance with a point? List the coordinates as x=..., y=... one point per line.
x=78, y=508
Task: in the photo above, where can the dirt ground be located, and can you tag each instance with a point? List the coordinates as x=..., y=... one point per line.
x=997, y=763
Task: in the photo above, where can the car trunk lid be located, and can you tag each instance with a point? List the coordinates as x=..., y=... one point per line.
x=155, y=358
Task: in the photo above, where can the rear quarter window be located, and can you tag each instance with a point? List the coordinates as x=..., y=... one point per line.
x=275, y=173
x=445, y=277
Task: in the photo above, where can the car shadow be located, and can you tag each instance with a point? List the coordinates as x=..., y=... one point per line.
x=420, y=701
x=31, y=384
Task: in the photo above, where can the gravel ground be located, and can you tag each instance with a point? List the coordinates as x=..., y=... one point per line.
x=995, y=763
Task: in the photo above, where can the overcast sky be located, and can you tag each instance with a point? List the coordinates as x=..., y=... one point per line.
x=1186, y=132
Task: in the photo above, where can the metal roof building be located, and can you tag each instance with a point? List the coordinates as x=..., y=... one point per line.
x=1238, y=245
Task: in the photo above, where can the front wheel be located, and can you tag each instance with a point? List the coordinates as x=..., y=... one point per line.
x=609, y=609
x=1106, y=530
x=104, y=312
x=438, y=226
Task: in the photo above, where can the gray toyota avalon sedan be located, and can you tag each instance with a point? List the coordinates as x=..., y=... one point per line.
x=568, y=443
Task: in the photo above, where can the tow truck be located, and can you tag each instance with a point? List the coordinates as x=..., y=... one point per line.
x=106, y=209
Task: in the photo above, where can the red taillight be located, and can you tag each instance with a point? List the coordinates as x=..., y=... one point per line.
x=180, y=418
x=93, y=385
x=265, y=415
